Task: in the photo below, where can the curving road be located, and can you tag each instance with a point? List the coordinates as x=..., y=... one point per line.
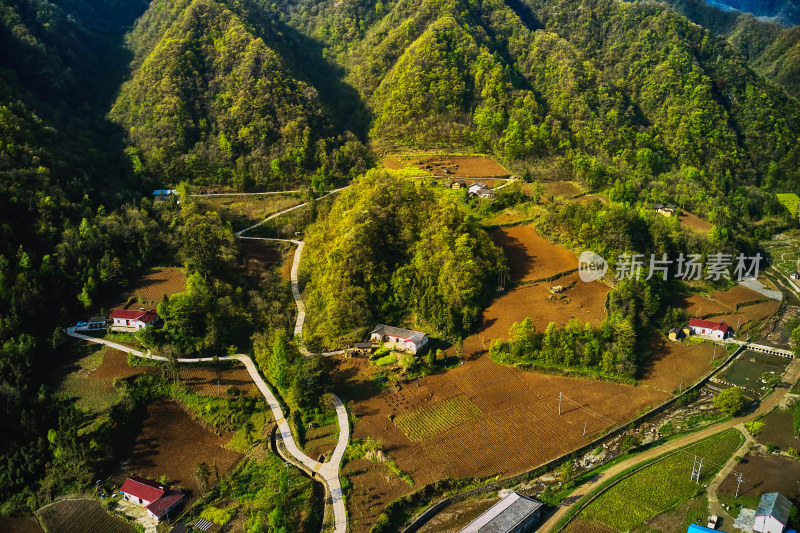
x=329, y=470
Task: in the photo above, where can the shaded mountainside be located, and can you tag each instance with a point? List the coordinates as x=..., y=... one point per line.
x=786, y=12
x=773, y=51
x=613, y=89
x=211, y=101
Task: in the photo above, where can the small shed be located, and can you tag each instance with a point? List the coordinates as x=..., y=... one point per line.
x=676, y=334
x=363, y=347
x=458, y=184
x=794, y=274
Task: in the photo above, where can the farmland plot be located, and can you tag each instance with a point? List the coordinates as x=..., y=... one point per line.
x=746, y=371
x=672, y=364
x=426, y=422
x=531, y=256
x=764, y=473
x=661, y=485
x=171, y=443
x=510, y=402
x=81, y=516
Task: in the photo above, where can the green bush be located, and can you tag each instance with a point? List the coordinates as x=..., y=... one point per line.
x=755, y=427
x=386, y=360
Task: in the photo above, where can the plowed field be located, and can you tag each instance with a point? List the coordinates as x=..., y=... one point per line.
x=531, y=256
x=171, y=444
x=512, y=403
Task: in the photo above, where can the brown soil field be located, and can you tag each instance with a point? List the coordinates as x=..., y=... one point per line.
x=321, y=441
x=456, y=516
x=152, y=287
x=531, y=256
x=81, y=516
x=461, y=166
x=512, y=402
x=699, y=306
x=115, y=365
x=764, y=473
x=587, y=198
x=374, y=486
x=257, y=256
x=567, y=189
x=780, y=431
x=584, y=301
x=674, y=363
x=26, y=524
x=203, y=380
x=391, y=163
x=694, y=223
x=749, y=313
x=736, y=295
x=171, y=444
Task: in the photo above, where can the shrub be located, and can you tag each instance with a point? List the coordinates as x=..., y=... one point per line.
x=793, y=453
x=755, y=427
x=386, y=360
x=771, y=447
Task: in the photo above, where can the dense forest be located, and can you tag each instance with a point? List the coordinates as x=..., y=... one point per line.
x=395, y=251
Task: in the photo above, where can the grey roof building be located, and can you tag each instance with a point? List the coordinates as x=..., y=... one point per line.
x=402, y=338
x=515, y=513
x=772, y=513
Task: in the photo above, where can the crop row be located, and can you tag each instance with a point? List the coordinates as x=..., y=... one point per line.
x=428, y=421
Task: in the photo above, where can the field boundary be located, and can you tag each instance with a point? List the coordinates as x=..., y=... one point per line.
x=426, y=515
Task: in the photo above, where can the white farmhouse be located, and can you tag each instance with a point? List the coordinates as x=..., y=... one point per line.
x=132, y=319
x=402, y=339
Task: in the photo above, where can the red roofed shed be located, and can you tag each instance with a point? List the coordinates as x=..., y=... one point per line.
x=158, y=499
x=132, y=319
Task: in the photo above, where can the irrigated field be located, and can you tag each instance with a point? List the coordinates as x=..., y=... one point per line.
x=661, y=485
x=171, y=444
x=511, y=403
x=531, y=256
x=747, y=369
x=81, y=516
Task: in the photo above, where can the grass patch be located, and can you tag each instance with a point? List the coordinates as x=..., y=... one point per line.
x=790, y=201
x=426, y=422
x=385, y=360
x=662, y=485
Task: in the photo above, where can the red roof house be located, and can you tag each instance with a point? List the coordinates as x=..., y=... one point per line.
x=132, y=319
x=710, y=328
x=158, y=499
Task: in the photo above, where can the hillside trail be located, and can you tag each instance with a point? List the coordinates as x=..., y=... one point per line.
x=770, y=402
x=327, y=471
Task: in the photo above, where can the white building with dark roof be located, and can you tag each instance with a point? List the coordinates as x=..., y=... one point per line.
x=515, y=513
x=401, y=339
x=772, y=514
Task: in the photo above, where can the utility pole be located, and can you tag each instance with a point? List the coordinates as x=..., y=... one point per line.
x=738, y=482
x=696, y=467
x=559, y=404
x=714, y=355
x=217, y=387
x=584, y=428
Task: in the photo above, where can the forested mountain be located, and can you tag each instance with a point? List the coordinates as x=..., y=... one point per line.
x=611, y=89
x=395, y=249
x=210, y=101
x=773, y=51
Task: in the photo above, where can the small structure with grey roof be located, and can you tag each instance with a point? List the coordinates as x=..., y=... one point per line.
x=515, y=513
x=402, y=339
x=772, y=513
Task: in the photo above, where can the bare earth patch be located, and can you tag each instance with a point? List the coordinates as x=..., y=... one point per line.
x=530, y=255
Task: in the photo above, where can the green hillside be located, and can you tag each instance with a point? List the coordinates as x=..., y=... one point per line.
x=210, y=102
x=610, y=89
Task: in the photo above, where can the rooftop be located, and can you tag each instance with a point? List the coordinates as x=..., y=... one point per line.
x=696, y=322
x=505, y=515
x=135, y=314
x=143, y=488
x=776, y=505
x=403, y=333
x=161, y=505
